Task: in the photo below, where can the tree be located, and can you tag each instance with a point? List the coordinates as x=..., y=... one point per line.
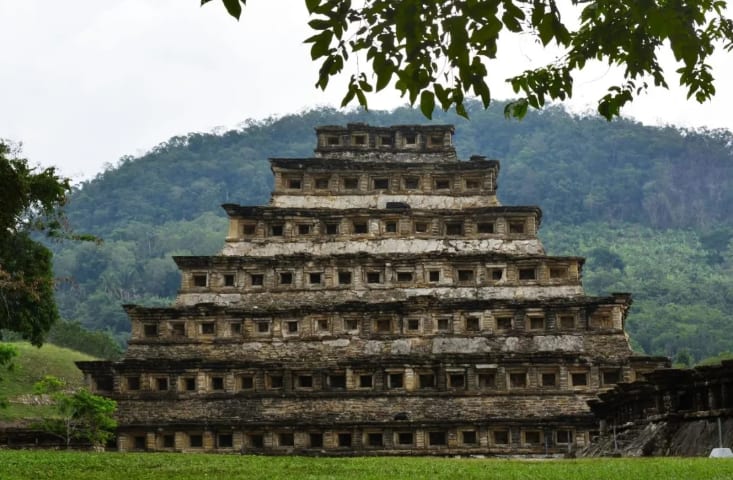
x=683, y=358
x=79, y=415
x=716, y=243
x=30, y=200
x=438, y=51
x=7, y=352
x=604, y=259
x=95, y=343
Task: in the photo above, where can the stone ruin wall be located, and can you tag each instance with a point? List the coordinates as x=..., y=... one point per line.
x=382, y=303
x=668, y=412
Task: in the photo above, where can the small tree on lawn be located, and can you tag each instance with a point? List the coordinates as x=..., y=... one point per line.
x=78, y=415
x=7, y=352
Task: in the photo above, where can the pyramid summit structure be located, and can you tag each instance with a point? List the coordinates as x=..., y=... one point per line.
x=383, y=302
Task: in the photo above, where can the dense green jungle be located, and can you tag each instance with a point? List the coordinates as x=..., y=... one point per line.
x=648, y=206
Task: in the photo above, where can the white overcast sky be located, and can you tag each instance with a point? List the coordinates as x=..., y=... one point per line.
x=84, y=82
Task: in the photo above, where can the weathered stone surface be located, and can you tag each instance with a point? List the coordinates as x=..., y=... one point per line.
x=295, y=297
x=383, y=303
x=610, y=347
x=442, y=409
x=668, y=412
x=567, y=343
x=681, y=437
x=380, y=201
x=461, y=345
x=375, y=246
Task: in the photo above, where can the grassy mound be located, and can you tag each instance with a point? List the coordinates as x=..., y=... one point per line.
x=29, y=366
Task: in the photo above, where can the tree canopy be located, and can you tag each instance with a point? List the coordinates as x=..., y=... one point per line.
x=78, y=415
x=438, y=52
x=30, y=200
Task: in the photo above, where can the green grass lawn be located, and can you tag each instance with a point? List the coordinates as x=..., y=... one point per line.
x=29, y=366
x=38, y=465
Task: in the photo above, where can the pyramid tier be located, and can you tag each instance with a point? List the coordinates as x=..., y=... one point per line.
x=301, y=279
x=269, y=231
x=344, y=183
x=448, y=393
x=303, y=411
x=468, y=378
x=361, y=142
x=592, y=326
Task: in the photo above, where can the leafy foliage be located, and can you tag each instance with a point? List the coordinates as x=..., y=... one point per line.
x=441, y=51
x=30, y=201
x=7, y=352
x=681, y=302
x=30, y=198
x=99, y=344
x=133, y=265
x=26, y=287
x=79, y=414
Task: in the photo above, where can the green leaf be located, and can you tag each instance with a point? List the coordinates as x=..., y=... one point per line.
x=516, y=109
x=348, y=97
x=362, y=98
x=427, y=103
x=324, y=73
x=512, y=16
x=311, y=5
x=482, y=90
x=537, y=13
x=401, y=86
x=320, y=24
x=365, y=86
x=321, y=44
x=336, y=66
x=545, y=28
x=384, y=74
x=233, y=7
x=604, y=109
x=461, y=110
x=443, y=96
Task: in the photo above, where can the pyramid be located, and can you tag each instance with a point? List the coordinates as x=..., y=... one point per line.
x=383, y=303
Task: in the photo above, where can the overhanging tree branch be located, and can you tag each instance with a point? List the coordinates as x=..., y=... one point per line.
x=437, y=52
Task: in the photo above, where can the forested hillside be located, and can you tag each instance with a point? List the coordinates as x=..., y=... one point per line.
x=648, y=206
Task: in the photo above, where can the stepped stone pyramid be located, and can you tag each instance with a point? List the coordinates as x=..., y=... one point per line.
x=384, y=302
